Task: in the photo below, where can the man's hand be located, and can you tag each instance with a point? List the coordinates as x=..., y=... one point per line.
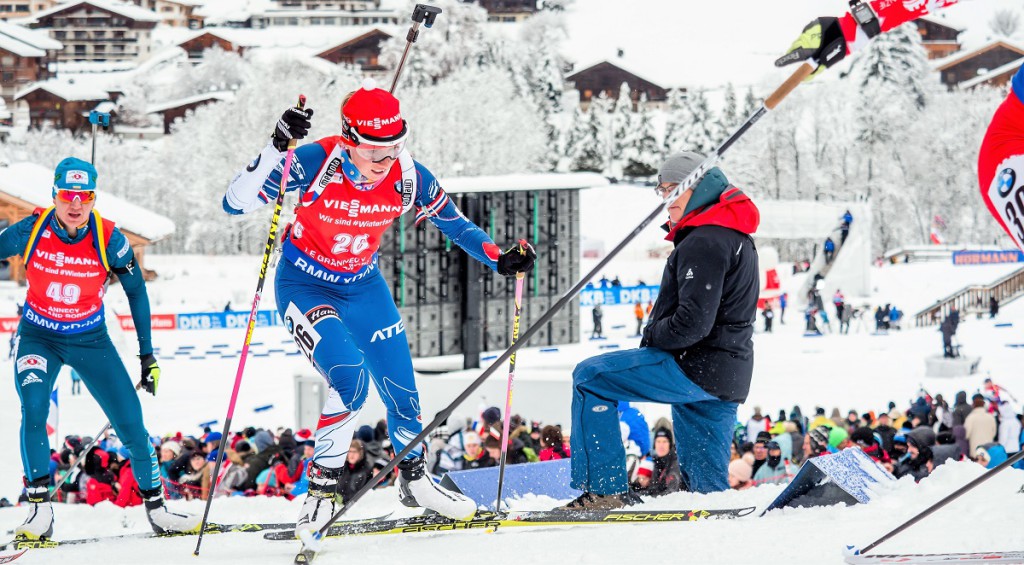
x=150, y=373
x=518, y=259
x=821, y=41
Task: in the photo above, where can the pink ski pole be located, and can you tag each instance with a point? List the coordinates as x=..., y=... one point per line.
x=520, y=279
x=271, y=240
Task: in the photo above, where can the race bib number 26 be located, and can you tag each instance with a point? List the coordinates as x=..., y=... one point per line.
x=302, y=330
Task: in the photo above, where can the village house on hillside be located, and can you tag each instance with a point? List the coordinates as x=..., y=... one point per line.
x=607, y=76
x=508, y=10
x=64, y=102
x=26, y=186
x=23, y=8
x=98, y=30
x=938, y=37
x=25, y=57
x=962, y=69
x=175, y=13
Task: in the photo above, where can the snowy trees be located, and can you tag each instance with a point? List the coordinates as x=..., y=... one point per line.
x=1005, y=22
x=640, y=156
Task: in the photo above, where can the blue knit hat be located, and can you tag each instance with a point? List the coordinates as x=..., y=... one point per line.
x=74, y=174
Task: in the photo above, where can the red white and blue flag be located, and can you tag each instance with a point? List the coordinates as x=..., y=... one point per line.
x=51, y=419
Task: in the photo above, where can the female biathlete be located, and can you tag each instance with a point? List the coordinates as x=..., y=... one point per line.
x=330, y=293
x=70, y=252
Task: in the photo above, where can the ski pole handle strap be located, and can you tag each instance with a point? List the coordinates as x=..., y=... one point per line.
x=802, y=72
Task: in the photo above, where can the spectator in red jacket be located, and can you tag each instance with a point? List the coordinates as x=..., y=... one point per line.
x=101, y=484
x=128, y=492
x=553, y=446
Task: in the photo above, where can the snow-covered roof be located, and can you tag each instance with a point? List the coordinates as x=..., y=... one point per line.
x=939, y=19
x=216, y=12
x=1010, y=67
x=34, y=184
x=127, y=10
x=69, y=88
x=285, y=12
x=26, y=42
x=963, y=55
x=162, y=106
x=540, y=181
x=315, y=39
x=638, y=68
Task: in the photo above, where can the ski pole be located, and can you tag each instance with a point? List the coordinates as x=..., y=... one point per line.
x=955, y=495
x=267, y=251
x=421, y=14
x=520, y=279
x=805, y=70
x=85, y=452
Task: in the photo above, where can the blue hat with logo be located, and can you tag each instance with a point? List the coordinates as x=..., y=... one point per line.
x=74, y=174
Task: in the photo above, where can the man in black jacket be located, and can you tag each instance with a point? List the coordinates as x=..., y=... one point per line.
x=696, y=353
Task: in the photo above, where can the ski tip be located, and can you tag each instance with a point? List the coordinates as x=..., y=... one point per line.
x=851, y=550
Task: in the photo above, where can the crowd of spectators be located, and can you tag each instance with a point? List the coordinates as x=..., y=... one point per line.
x=910, y=441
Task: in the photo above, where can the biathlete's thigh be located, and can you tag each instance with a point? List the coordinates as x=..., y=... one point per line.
x=94, y=356
x=314, y=317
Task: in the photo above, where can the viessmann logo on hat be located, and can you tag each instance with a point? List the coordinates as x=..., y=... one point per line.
x=378, y=123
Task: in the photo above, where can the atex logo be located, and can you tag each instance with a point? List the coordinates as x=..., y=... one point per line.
x=388, y=332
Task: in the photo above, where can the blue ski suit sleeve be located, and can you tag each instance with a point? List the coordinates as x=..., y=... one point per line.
x=14, y=238
x=122, y=262
x=433, y=203
x=259, y=183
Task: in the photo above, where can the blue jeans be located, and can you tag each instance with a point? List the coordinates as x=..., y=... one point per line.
x=702, y=423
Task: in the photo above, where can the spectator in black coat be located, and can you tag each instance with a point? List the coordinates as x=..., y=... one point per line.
x=356, y=473
x=666, y=477
x=919, y=463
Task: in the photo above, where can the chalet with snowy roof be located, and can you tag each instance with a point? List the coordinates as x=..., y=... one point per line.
x=25, y=56
x=362, y=51
x=98, y=30
x=938, y=36
x=27, y=186
x=174, y=13
x=174, y=110
x=63, y=102
x=351, y=5
x=607, y=76
x=508, y=10
x=968, y=65
x=236, y=40
x=23, y=8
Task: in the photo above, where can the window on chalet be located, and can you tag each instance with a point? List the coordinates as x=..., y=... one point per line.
x=79, y=50
x=7, y=77
x=7, y=61
x=21, y=9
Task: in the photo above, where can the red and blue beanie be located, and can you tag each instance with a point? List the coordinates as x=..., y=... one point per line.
x=74, y=174
x=372, y=116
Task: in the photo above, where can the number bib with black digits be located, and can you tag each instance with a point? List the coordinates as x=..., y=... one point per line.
x=1006, y=193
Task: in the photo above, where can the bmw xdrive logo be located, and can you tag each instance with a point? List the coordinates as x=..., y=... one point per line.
x=1007, y=180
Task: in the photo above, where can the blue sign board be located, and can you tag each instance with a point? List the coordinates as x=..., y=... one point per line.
x=987, y=257
x=619, y=295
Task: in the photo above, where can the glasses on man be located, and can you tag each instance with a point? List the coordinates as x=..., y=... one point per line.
x=379, y=154
x=83, y=196
x=664, y=190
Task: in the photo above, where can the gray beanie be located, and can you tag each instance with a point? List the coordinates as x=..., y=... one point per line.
x=678, y=166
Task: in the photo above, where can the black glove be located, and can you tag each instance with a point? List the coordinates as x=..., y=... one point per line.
x=294, y=124
x=822, y=41
x=518, y=259
x=150, y=373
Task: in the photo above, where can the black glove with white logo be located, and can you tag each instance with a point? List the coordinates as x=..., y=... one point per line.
x=150, y=373
x=518, y=259
x=294, y=124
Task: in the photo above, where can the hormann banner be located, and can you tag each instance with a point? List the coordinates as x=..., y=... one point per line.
x=618, y=295
x=987, y=257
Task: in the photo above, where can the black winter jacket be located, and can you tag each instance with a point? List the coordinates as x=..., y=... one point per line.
x=707, y=302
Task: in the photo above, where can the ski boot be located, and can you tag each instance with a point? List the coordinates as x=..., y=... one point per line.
x=591, y=501
x=39, y=524
x=321, y=500
x=163, y=520
x=417, y=489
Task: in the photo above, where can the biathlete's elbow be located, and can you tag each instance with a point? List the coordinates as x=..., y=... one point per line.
x=229, y=209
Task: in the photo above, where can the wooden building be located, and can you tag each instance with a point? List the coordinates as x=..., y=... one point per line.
x=224, y=39
x=174, y=13
x=98, y=30
x=25, y=56
x=23, y=8
x=508, y=10
x=323, y=17
x=26, y=186
x=607, y=76
x=938, y=37
x=363, y=50
x=175, y=110
x=61, y=103
x=967, y=65
x=349, y=5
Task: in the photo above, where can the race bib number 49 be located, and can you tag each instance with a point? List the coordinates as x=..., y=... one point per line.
x=1007, y=197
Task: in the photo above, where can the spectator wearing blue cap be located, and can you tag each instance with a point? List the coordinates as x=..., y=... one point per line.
x=212, y=444
x=70, y=251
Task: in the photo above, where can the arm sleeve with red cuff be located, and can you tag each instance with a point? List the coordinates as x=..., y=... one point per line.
x=891, y=14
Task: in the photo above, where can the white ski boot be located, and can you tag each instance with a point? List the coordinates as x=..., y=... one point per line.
x=39, y=524
x=321, y=503
x=163, y=520
x=417, y=489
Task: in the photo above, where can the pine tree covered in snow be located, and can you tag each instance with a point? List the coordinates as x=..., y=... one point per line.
x=589, y=146
x=641, y=156
x=677, y=115
x=621, y=125
x=730, y=117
